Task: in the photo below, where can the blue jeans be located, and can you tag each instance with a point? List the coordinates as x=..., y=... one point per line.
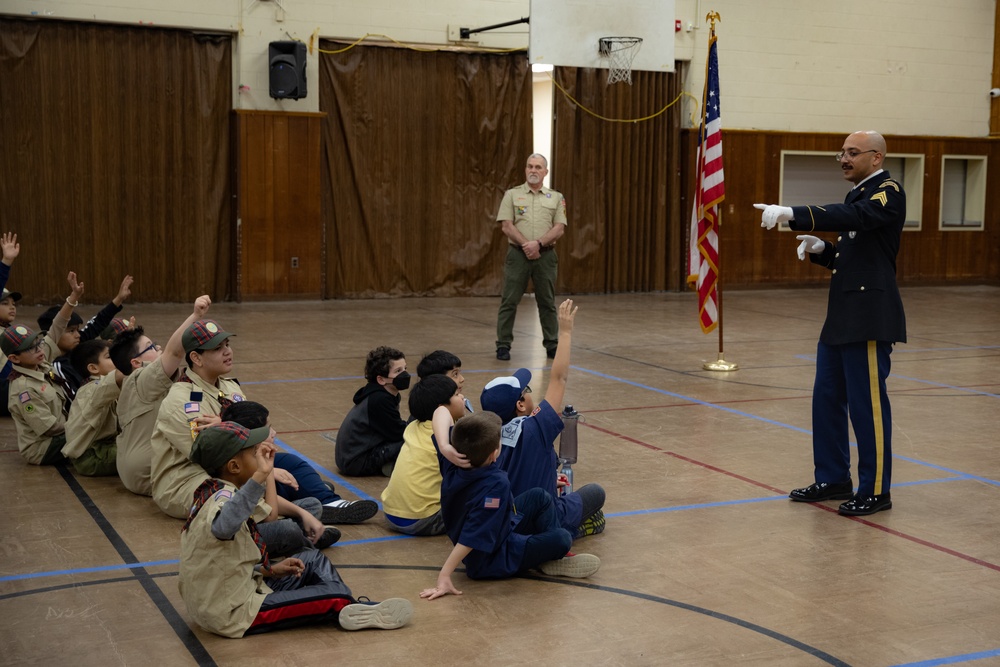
x=310, y=483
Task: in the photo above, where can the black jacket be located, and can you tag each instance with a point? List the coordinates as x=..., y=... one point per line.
x=864, y=302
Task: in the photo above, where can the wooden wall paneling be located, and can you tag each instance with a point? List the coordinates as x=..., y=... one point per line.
x=751, y=257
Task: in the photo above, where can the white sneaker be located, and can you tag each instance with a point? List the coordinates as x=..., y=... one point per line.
x=385, y=615
x=577, y=566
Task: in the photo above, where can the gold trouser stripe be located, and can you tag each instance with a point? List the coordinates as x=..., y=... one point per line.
x=876, y=414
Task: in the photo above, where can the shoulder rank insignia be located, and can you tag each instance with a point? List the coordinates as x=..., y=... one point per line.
x=224, y=494
x=879, y=197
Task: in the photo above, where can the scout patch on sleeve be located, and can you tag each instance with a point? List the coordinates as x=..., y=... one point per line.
x=29, y=407
x=24, y=397
x=492, y=504
x=238, y=397
x=224, y=494
x=192, y=407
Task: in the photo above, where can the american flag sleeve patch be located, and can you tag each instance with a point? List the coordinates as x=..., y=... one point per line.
x=492, y=504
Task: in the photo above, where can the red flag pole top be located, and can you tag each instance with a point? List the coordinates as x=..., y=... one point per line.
x=711, y=192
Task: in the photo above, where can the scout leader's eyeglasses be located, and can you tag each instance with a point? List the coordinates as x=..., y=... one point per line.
x=151, y=346
x=851, y=154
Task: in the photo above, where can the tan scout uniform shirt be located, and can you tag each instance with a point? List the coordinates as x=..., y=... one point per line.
x=142, y=392
x=175, y=477
x=218, y=583
x=92, y=416
x=533, y=213
x=37, y=407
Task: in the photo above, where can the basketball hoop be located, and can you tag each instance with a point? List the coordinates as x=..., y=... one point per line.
x=620, y=52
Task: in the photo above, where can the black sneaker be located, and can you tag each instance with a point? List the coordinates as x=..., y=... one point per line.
x=385, y=615
x=329, y=536
x=349, y=511
x=503, y=353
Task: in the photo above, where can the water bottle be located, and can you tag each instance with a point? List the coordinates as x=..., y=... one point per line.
x=567, y=441
x=566, y=470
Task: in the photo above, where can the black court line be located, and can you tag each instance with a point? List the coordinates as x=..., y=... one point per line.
x=726, y=618
x=180, y=627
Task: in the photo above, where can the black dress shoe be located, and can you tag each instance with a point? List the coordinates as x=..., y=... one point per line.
x=814, y=493
x=503, y=353
x=864, y=505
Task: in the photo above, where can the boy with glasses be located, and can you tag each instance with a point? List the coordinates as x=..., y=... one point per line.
x=149, y=374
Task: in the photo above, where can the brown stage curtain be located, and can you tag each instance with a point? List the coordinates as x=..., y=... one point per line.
x=620, y=181
x=115, y=159
x=418, y=149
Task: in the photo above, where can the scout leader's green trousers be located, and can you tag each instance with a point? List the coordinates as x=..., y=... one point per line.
x=517, y=270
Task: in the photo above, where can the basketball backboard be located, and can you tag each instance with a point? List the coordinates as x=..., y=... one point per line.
x=567, y=32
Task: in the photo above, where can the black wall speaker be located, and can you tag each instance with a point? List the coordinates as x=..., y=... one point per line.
x=287, y=70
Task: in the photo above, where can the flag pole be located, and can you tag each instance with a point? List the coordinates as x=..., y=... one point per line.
x=719, y=364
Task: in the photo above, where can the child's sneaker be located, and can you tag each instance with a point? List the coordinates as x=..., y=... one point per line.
x=329, y=536
x=577, y=566
x=349, y=511
x=385, y=615
x=592, y=525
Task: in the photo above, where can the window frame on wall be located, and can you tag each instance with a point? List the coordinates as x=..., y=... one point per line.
x=973, y=197
x=912, y=179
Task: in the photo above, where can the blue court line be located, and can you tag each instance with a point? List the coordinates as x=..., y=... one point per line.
x=394, y=538
x=952, y=659
x=88, y=570
x=942, y=385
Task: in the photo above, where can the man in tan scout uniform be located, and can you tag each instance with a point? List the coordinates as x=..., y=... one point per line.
x=533, y=218
x=149, y=374
x=194, y=400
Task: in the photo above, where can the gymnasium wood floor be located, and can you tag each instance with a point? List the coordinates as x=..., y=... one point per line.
x=705, y=561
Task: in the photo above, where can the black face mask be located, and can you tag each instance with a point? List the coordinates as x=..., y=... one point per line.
x=401, y=381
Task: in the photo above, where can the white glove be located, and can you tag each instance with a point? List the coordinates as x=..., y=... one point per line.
x=810, y=244
x=773, y=214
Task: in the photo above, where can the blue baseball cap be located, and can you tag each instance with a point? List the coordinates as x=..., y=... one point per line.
x=501, y=394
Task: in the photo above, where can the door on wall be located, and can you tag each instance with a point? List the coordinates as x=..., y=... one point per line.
x=280, y=241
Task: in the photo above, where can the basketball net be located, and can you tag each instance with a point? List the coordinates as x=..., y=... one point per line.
x=620, y=52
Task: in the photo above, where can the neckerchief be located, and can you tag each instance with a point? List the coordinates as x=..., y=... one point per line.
x=206, y=490
x=224, y=401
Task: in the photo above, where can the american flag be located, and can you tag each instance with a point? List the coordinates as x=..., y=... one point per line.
x=703, y=259
x=492, y=504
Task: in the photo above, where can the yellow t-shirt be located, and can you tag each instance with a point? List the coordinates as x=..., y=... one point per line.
x=414, y=490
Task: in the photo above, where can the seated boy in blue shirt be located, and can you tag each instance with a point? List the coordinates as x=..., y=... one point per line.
x=495, y=535
x=529, y=433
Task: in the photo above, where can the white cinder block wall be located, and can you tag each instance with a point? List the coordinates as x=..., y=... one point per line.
x=912, y=67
